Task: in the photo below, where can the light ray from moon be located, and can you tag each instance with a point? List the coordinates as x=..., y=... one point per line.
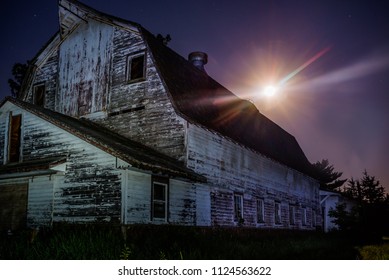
x=304, y=65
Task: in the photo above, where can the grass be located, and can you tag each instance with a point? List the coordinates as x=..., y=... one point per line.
x=175, y=242
x=375, y=252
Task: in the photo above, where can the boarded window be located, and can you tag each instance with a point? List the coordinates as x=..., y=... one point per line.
x=260, y=211
x=159, y=200
x=277, y=213
x=39, y=95
x=136, y=68
x=14, y=138
x=13, y=210
x=238, y=207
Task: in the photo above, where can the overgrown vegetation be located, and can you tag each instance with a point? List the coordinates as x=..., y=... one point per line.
x=174, y=242
x=374, y=252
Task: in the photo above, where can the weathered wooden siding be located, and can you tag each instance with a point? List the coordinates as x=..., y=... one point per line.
x=46, y=74
x=136, y=201
x=40, y=201
x=84, y=69
x=3, y=137
x=203, y=205
x=142, y=111
x=182, y=203
x=231, y=168
x=90, y=188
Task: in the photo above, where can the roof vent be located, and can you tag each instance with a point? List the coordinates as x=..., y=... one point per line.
x=198, y=59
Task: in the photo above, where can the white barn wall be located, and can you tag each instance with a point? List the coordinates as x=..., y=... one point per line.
x=182, y=203
x=203, y=205
x=84, y=69
x=136, y=189
x=40, y=200
x=90, y=188
x=231, y=168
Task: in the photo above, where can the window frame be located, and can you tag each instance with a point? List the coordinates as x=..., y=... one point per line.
x=292, y=215
x=238, y=204
x=129, y=64
x=260, y=211
x=277, y=214
x=165, y=201
x=313, y=218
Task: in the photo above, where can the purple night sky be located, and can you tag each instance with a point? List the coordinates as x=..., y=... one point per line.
x=329, y=58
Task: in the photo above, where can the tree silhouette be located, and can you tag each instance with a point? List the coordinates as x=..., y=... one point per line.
x=19, y=71
x=370, y=216
x=164, y=40
x=367, y=189
x=328, y=178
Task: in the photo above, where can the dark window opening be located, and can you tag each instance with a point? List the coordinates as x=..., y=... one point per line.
x=291, y=215
x=125, y=111
x=304, y=216
x=39, y=95
x=14, y=138
x=238, y=207
x=260, y=211
x=136, y=68
x=277, y=213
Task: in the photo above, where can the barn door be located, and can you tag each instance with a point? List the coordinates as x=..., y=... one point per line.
x=13, y=206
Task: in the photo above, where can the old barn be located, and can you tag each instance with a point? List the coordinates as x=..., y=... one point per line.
x=114, y=126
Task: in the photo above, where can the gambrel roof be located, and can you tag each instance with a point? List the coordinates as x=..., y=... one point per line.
x=132, y=152
x=200, y=99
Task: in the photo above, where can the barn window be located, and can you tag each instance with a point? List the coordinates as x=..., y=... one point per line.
x=277, y=212
x=303, y=216
x=238, y=207
x=136, y=67
x=260, y=211
x=159, y=199
x=292, y=215
x=313, y=218
x=14, y=138
x=39, y=95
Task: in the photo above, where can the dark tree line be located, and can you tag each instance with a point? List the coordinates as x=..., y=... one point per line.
x=370, y=214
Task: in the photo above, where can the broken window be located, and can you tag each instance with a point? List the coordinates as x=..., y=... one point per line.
x=14, y=139
x=277, y=212
x=159, y=200
x=39, y=95
x=136, y=67
x=260, y=211
x=238, y=207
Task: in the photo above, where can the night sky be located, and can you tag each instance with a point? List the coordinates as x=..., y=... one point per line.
x=330, y=60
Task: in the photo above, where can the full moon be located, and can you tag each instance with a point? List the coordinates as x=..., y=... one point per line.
x=270, y=90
